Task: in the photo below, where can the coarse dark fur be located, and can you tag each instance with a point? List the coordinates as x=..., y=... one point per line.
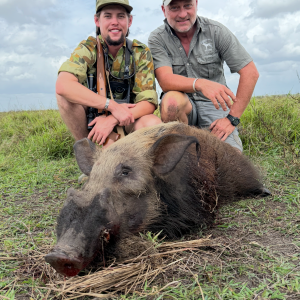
x=222, y=175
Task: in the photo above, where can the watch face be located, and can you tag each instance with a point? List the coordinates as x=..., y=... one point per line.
x=235, y=122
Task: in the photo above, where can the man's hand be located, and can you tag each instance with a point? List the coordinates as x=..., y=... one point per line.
x=102, y=129
x=222, y=128
x=216, y=92
x=122, y=112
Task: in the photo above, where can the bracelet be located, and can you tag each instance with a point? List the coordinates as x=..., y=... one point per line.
x=194, y=88
x=107, y=103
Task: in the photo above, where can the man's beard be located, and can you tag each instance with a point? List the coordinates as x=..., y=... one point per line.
x=186, y=30
x=120, y=41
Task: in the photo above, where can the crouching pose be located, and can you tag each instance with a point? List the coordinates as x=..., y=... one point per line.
x=189, y=52
x=131, y=74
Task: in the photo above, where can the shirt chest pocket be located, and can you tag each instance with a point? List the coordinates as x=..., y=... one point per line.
x=208, y=66
x=178, y=66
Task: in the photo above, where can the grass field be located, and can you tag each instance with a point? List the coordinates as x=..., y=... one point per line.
x=258, y=256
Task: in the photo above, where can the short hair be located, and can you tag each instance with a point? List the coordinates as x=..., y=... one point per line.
x=97, y=15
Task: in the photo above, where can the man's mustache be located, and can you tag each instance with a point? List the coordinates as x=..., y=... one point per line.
x=181, y=20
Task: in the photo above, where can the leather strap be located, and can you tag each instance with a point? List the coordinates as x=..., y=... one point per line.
x=120, y=131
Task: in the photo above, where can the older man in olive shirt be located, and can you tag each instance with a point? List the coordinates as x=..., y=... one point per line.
x=189, y=52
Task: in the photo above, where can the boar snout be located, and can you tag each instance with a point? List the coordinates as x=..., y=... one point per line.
x=83, y=222
x=64, y=264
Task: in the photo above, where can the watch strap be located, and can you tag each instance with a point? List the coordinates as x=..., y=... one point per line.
x=233, y=120
x=107, y=104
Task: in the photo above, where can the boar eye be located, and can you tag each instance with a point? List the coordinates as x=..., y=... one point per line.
x=122, y=171
x=125, y=171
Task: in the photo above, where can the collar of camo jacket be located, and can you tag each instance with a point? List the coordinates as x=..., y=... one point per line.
x=117, y=64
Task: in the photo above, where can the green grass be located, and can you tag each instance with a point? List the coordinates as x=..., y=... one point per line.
x=271, y=126
x=34, y=135
x=261, y=238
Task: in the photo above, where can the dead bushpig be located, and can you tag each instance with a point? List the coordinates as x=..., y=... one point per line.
x=170, y=178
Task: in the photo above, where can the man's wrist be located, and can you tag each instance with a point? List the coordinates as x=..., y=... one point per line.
x=113, y=120
x=107, y=104
x=112, y=105
x=233, y=120
x=194, y=85
x=198, y=85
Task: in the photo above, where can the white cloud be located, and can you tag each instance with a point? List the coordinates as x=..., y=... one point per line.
x=57, y=62
x=37, y=36
x=24, y=76
x=271, y=8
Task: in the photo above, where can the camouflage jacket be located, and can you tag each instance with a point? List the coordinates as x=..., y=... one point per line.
x=143, y=87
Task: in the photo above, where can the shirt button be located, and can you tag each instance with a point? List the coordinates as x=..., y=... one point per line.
x=187, y=64
x=195, y=94
x=180, y=48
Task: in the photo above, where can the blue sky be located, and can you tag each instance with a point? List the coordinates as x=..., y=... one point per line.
x=38, y=35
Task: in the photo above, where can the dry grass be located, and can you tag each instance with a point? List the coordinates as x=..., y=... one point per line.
x=124, y=277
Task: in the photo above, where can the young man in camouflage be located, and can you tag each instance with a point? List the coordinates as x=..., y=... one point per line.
x=189, y=52
x=113, y=19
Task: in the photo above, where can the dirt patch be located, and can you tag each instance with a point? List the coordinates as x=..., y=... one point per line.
x=261, y=224
x=250, y=239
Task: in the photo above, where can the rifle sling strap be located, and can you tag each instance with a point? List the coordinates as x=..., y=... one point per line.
x=128, y=53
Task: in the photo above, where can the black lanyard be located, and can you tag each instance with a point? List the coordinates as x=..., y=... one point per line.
x=128, y=54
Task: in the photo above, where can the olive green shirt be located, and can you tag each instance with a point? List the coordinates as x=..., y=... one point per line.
x=83, y=61
x=211, y=45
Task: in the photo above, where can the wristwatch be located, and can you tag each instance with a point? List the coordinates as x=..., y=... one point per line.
x=234, y=121
x=107, y=103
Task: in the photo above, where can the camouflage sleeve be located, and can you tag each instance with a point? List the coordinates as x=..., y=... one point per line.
x=145, y=87
x=82, y=59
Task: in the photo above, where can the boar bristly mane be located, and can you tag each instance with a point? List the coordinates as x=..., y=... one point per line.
x=190, y=194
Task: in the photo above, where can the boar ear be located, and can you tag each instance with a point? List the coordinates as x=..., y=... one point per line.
x=85, y=152
x=168, y=151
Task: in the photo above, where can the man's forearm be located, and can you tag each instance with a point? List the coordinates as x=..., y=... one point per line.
x=248, y=78
x=68, y=87
x=212, y=90
x=179, y=83
x=172, y=82
x=141, y=109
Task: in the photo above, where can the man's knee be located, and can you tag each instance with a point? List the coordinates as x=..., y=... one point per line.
x=235, y=141
x=63, y=103
x=146, y=121
x=60, y=100
x=173, y=105
x=66, y=105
